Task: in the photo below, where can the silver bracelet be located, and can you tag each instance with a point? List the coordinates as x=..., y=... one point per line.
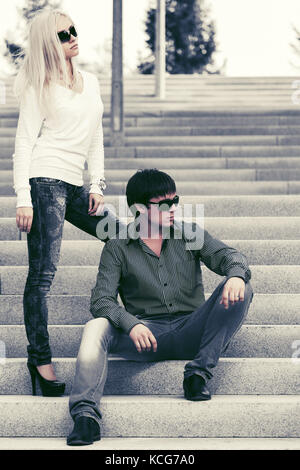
x=101, y=183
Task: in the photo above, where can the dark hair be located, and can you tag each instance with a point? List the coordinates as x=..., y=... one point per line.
x=145, y=184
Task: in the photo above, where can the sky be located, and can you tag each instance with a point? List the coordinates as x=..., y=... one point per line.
x=253, y=36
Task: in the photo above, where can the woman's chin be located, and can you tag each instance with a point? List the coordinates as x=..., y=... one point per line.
x=74, y=52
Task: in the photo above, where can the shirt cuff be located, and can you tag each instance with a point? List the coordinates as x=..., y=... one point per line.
x=129, y=322
x=237, y=272
x=24, y=198
x=94, y=188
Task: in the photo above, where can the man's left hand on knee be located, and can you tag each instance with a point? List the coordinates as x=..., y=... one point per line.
x=233, y=291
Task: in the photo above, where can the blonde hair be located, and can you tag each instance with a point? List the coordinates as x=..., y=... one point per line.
x=44, y=62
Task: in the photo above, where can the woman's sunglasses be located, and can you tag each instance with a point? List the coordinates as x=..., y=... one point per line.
x=65, y=36
x=165, y=204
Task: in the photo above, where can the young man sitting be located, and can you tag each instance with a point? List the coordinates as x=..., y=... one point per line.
x=165, y=315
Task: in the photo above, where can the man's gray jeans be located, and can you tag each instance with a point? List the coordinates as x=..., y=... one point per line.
x=201, y=337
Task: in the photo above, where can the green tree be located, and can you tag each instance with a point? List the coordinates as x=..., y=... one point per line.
x=14, y=51
x=190, y=38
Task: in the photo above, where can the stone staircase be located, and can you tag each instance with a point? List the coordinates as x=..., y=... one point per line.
x=232, y=144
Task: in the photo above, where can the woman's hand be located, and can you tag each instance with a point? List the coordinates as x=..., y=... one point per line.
x=96, y=204
x=24, y=218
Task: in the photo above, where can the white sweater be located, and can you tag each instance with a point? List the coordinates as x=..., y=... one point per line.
x=58, y=148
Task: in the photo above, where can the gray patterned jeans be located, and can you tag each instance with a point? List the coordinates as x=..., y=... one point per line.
x=53, y=201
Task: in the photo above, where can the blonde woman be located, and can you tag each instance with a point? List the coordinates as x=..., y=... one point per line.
x=59, y=128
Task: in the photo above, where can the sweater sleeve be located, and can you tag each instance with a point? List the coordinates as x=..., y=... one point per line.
x=96, y=151
x=29, y=125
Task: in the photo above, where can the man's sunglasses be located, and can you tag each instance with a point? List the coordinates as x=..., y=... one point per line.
x=165, y=204
x=65, y=36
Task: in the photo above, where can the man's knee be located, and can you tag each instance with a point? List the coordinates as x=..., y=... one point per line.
x=97, y=335
x=99, y=327
x=248, y=295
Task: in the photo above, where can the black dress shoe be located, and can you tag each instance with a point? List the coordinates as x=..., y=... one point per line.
x=195, y=389
x=86, y=431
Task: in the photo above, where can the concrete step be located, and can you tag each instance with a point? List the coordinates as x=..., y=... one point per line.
x=174, y=89
x=191, y=98
x=200, y=141
x=234, y=228
x=158, y=416
x=193, y=140
x=149, y=102
x=6, y=164
x=158, y=108
x=141, y=83
x=274, y=309
x=198, y=79
x=268, y=163
x=239, y=376
x=6, y=132
x=202, y=151
x=191, y=175
x=186, y=88
x=161, y=152
x=208, y=121
x=9, y=142
x=186, y=107
x=82, y=252
x=205, y=188
x=274, y=279
x=9, y=229
x=207, y=148
x=250, y=341
x=123, y=175
x=145, y=87
x=146, y=443
x=214, y=206
x=207, y=131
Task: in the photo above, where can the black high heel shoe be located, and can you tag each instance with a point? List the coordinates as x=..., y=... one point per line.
x=49, y=388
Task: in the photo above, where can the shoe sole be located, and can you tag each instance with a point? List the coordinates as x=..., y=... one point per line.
x=198, y=398
x=53, y=394
x=83, y=443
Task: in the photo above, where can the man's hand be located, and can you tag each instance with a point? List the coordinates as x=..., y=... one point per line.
x=24, y=218
x=233, y=291
x=142, y=338
x=96, y=204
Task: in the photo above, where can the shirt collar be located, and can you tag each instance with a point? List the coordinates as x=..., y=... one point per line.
x=179, y=230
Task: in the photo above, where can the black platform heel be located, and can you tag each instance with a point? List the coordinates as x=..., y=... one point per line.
x=49, y=388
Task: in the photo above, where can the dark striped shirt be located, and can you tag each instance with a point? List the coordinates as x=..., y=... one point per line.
x=150, y=286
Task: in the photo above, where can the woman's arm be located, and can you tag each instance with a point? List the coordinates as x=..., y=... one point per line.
x=96, y=155
x=29, y=125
